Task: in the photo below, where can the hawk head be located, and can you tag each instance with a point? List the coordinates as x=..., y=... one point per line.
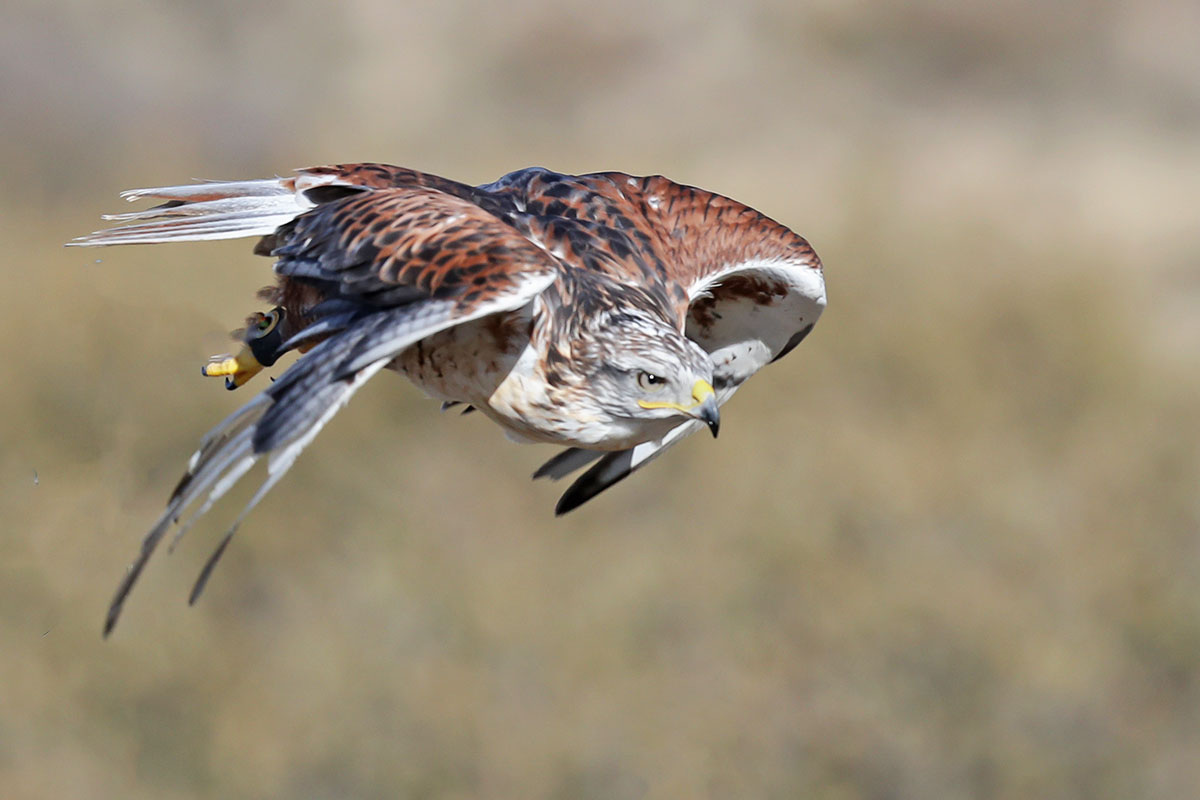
x=636, y=374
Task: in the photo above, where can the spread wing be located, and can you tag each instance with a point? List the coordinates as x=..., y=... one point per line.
x=744, y=287
x=393, y=264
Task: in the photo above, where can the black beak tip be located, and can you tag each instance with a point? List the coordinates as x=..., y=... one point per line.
x=710, y=415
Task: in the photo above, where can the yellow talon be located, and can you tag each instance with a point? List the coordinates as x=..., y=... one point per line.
x=235, y=369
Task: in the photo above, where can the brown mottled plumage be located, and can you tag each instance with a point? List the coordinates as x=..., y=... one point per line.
x=608, y=313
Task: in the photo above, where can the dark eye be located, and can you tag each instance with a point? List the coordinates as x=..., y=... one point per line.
x=651, y=382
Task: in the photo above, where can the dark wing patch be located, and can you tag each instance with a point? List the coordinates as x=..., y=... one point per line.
x=566, y=462
x=612, y=468
x=796, y=339
x=609, y=470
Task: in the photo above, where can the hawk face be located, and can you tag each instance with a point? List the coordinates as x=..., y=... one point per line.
x=643, y=377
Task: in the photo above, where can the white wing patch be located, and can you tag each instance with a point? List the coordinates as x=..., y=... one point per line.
x=752, y=313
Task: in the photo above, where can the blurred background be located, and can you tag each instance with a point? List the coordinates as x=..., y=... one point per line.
x=949, y=548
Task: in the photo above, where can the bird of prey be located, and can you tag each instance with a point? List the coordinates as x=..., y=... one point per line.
x=609, y=314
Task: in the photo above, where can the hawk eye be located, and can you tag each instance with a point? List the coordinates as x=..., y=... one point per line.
x=651, y=382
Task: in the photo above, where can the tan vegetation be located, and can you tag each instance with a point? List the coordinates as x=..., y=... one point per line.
x=949, y=548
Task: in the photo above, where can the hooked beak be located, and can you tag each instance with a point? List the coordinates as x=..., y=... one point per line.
x=706, y=409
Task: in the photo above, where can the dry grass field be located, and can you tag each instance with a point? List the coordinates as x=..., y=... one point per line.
x=950, y=548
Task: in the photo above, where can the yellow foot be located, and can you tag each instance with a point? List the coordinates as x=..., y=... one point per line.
x=263, y=337
x=235, y=369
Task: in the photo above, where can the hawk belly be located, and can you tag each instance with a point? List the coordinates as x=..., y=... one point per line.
x=491, y=365
x=466, y=363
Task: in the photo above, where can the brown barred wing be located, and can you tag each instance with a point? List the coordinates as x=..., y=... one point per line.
x=394, y=246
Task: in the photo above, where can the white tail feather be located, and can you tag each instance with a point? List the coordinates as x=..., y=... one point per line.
x=204, y=211
x=262, y=187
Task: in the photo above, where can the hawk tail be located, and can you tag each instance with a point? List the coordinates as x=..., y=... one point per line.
x=203, y=211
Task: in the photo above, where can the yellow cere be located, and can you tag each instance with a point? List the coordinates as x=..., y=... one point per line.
x=701, y=391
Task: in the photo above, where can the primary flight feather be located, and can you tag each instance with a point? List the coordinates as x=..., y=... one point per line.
x=610, y=314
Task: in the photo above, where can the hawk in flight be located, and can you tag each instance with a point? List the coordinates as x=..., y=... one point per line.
x=609, y=314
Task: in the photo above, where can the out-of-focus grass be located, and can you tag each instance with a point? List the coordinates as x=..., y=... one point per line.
x=946, y=549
